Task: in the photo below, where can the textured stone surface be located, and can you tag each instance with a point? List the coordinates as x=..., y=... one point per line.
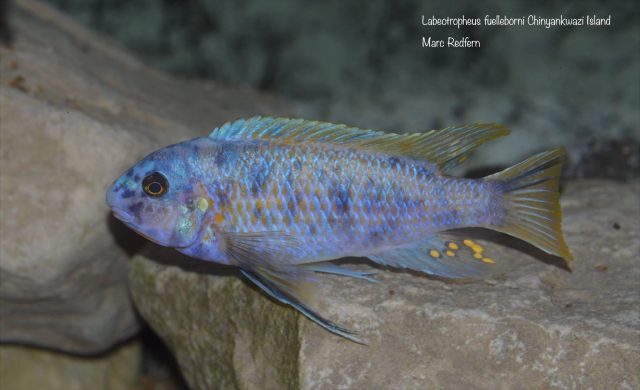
x=27, y=368
x=75, y=111
x=538, y=326
x=223, y=333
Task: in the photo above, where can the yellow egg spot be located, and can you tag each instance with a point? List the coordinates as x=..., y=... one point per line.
x=264, y=219
x=258, y=205
x=474, y=247
x=454, y=246
x=296, y=218
x=477, y=248
x=450, y=253
x=286, y=220
x=434, y=253
x=488, y=260
x=254, y=219
x=477, y=256
x=218, y=219
x=268, y=204
x=202, y=204
x=280, y=204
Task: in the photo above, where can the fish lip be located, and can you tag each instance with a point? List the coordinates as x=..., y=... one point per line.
x=122, y=215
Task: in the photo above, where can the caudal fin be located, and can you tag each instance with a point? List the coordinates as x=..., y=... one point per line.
x=530, y=198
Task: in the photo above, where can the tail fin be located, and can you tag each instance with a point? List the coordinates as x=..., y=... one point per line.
x=530, y=196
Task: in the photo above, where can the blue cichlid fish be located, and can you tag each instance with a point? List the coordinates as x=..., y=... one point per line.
x=279, y=198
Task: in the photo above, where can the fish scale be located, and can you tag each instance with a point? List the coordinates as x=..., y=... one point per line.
x=335, y=195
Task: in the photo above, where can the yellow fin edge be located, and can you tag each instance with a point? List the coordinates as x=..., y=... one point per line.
x=445, y=148
x=530, y=197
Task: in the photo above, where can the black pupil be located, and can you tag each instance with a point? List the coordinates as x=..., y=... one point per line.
x=155, y=187
x=155, y=184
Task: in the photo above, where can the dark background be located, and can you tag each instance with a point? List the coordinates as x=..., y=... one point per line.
x=361, y=62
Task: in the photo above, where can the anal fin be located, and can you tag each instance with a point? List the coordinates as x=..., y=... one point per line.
x=444, y=255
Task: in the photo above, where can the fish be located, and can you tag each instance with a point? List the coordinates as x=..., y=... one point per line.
x=281, y=199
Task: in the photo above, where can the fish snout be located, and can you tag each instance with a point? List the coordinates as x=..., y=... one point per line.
x=111, y=197
x=118, y=198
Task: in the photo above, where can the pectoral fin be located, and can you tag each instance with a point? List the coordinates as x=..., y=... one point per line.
x=274, y=247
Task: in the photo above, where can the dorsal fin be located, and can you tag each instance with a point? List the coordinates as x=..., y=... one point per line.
x=445, y=148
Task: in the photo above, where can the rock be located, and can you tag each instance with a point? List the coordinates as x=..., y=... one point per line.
x=538, y=326
x=75, y=111
x=226, y=334
x=27, y=368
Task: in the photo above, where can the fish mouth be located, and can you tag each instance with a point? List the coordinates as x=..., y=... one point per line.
x=127, y=219
x=122, y=215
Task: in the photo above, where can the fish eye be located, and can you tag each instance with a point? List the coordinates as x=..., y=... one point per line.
x=155, y=184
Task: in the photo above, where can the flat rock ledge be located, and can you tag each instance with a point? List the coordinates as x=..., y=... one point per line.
x=538, y=326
